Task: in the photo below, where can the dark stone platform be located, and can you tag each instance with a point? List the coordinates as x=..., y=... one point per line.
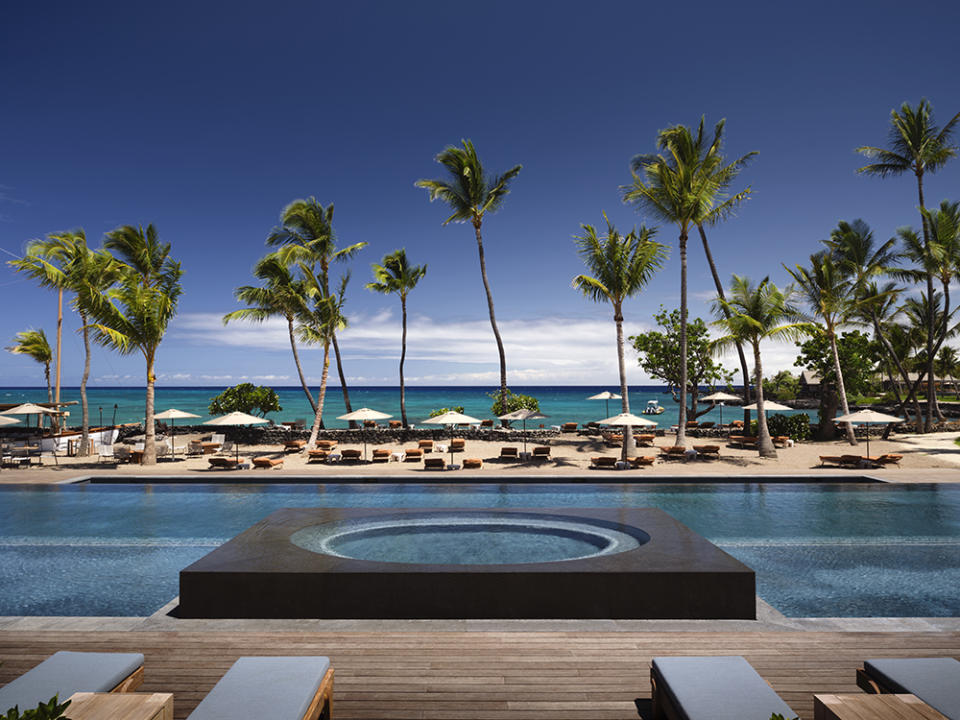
x=676, y=575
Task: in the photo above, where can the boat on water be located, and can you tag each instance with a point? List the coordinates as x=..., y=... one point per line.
x=653, y=408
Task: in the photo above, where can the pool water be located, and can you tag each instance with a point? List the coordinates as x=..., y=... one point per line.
x=819, y=550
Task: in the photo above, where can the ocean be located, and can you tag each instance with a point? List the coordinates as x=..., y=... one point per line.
x=560, y=403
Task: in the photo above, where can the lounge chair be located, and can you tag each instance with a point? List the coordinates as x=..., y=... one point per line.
x=692, y=424
x=611, y=440
x=380, y=455
x=852, y=461
x=434, y=463
x=644, y=440
x=279, y=688
x=396, y=424
x=712, y=688
x=65, y=673
x=707, y=425
x=426, y=446
x=472, y=463
x=936, y=681
x=709, y=452
x=829, y=460
x=224, y=463
x=486, y=423
x=457, y=445
x=781, y=441
x=293, y=445
x=350, y=455
x=413, y=454
x=889, y=459
x=603, y=461
x=194, y=448
x=268, y=462
x=541, y=452
x=568, y=427
x=509, y=453
x=674, y=452
x=641, y=461
x=371, y=424
x=327, y=444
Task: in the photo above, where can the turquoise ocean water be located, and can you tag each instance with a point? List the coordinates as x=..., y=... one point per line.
x=567, y=403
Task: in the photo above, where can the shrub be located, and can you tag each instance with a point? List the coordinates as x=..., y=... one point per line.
x=441, y=411
x=515, y=401
x=246, y=398
x=51, y=710
x=794, y=426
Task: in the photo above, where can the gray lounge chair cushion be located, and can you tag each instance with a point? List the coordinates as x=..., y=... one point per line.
x=936, y=681
x=279, y=688
x=718, y=688
x=65, y=673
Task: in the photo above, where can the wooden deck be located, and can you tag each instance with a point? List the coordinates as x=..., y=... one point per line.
x=487, y=675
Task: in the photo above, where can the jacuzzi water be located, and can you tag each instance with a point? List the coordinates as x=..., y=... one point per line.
x=466, y=539
x=819, y=550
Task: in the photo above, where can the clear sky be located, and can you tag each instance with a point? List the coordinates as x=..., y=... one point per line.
x=207, y=118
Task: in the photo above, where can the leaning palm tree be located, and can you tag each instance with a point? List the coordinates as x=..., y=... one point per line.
x=471, y=193
x=134, y=314
x=916, y=145
x=305, y=237
x=686, y=189
x=829, y=291
x=620, y=266
x=397, y=275
x=33, y=344
x=281, y=295
x=751, y=314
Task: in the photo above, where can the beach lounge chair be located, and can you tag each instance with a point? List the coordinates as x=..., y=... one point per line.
x=692, y=424
x=541, y=452
x=486, y=423
x=65, y=673
x=224, y=463
x=829, y=460
x=712, y=688
x=603, y=461
x=434, y=463
x=395, y=424
x=371, y=424
x=472, y=463
x=674, y=452
x=568, y=427
x=381, y=455
x=509, y=453
x=268, y=462
x=707, y=452
x=936, y=681
x=317, y=455
x=351, y=455
x=852, y=461
x=644, y=439
x=781, y=441
x=612, y=440
x=457, y=445
x=279, y=688
x=327, y=444
x=426, y=446
x=707, y=425
x=293, y=445
x=413, y=454
x=889, y=459
x=641, y=461
x=194, y=448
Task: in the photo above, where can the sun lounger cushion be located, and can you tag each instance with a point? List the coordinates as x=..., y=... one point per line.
x=65, y=673
x=936, y=681
x=717, y=688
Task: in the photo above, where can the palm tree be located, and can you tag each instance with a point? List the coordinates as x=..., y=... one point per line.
x=471, y=193
x=620, y=267
x=397, y=275
x=281, y=295
x=134, y=314
x=916, y=145
x=751, y=314
x=305, y=237
x=33, y=344
x=687, y=190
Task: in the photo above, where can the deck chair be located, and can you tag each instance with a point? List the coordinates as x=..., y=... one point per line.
x=122, y=453
x=396, y=424
x=603, y=461
x=223, y=463
x=194, y=448
x=65, y=673
x=642, y=461
x=486, y=423
x=708, y=452
x=890, y=459
x=279, y=688
x=434, y=463
x=426, y=446
x=350, y=455
x=457, y=445
x=541, y=452
x=327, y=444
x=293, y=445
x=936, y=681
x=317, y=455
x=413, y=454
x=644, y=439
x=509, y=453
x=472, y=463
x=829, y=460
x=712, y=688
x=268, y=462
x=707, y=425
x=380, y=455
x=674, y=452
x=568, y=427
x=611, y=440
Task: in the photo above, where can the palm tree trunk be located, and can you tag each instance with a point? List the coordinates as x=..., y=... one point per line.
x=493, y=319
x=296, y=361
x=941, y=338
x=318, y=418
x=46, y=373
x=84, y=407
x=149, y=430
x=56, y=397
x=764, y=443
x=403, y=357
x=726, y=313
x=888, y=346
x=931, y=388
x=841, y=390
x=682, y=422
x=629, y=446
x=343, y=380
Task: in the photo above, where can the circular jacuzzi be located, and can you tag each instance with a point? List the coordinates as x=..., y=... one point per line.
x=469, y=538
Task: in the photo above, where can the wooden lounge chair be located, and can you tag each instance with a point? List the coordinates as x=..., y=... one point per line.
x=644, y=440
x=426, y=446
x=317, y=455
x=327, y=444
x=707, y=452
x=472, y=463
x=674, y=452
x=396, y=424
x=641, y=461
x=889, y=459
x=568, y=427
x=603, y=461
x=611, y=440
x=707, y=425
x=708, y=688
x=509, y=453
x=853, y=461
x=541, y=452
x=268, y=462
x=279, y=688
x=457, y=445
x=781, y=441
x=413, y=454
x=936, y=681
x=351, y=455
x=692, y=424
x=223, y=463
x=380, y=455
x=293, y=445
x=65, y=673
x=830, y=460
x=434, y=463
x=486, y=423
x=736, y=424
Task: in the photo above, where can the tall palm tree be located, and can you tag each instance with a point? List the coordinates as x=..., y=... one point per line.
x=63, y=261
x=397, y=275
x=687, y=188
x=471, y=193
x=916, y=145
x=134, y=314
x=620, y=266
x=753, y=313
x=306, y=237
x=829, y=291
x=281, y=295
x=33, y=344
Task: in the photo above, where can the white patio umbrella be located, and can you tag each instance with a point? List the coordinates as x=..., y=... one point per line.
x=171, y=415
x=523, y=414
x=721, y=398
x=626, y=419
x=869, y=417
x=768, y=405
x=605, y=395
x=237, y=418
x=8, y=421
x=29, y=409
x=364, y=414
x=451, y=418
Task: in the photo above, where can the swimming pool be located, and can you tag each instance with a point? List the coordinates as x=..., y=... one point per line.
x=819, y=550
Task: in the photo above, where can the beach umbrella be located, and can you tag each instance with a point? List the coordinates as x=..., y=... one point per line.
x=869, y=417
x=722, y=397
x=8, y=421
x=451, y=418
x=171, y=415
x=364, y=414
x=524, y=414
x=768, y=405
x=605, y=395
x=29, y=409
x=237, y=418
x=626, y=419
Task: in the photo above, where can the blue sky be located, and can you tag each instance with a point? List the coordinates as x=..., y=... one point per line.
x=207, y=118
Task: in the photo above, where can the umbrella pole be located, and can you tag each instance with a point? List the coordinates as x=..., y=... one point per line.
x=173, y=440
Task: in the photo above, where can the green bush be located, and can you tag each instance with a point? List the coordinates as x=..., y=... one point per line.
x=44, y=711
x=794, y=426
x=441, y=411
x=515, y=401
x=246, y=398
